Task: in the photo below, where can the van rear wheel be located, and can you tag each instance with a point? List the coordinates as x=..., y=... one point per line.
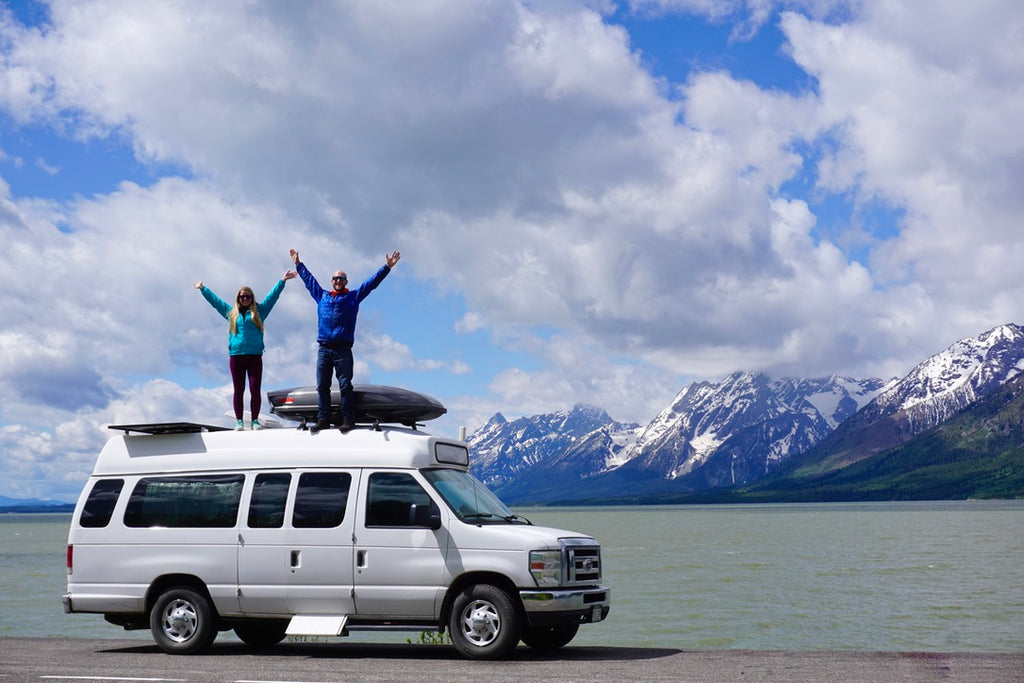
x=261, y=632
x=484, y=622
x=182, y=621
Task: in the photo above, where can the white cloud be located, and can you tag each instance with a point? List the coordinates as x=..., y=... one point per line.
x=47, y=168
x=53, y=464
x=391, y=355
x=581, y=373
x=620, y=231
x=923, y=107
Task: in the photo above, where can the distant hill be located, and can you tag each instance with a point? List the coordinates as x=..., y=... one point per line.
x=25, y=505
x=30, y=509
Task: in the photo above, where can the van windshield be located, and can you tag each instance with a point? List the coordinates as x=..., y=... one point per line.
x=469, y=499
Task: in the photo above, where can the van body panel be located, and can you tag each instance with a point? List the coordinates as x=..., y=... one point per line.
x=127, y=569
x=263, y=569
x=400, y=570
x=320, y=569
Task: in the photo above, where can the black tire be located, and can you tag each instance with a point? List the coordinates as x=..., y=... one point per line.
x=261, y=633
x=484, y=623
x=549, y=637
x=182, y=621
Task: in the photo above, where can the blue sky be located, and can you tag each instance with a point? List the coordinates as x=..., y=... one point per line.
x=596, y=201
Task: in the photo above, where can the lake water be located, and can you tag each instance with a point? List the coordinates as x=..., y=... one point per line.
x=928, y=577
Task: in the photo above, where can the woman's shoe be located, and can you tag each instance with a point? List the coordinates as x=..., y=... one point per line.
x=256, y=425
x=240, y=425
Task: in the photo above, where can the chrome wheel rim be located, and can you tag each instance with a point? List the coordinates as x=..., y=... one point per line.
x=481, y=623
x=180, y=620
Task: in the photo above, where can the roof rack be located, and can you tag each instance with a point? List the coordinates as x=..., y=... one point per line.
x=168, y=428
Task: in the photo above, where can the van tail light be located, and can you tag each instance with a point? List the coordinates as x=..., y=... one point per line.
x=71, y=554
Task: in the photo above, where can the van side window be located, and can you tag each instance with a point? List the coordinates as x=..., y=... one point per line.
x=321, y=499
x=200, y=501
x=390, y=498
x=99, y=506
x=269, y=495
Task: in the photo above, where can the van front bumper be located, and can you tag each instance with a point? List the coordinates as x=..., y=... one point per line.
x=572, y=606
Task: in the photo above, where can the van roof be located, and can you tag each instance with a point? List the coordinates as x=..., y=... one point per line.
x=210, y=451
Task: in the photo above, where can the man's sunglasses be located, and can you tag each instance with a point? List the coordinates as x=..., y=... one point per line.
x=338, y=278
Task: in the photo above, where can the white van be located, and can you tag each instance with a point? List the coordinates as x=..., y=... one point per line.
x=189, y=530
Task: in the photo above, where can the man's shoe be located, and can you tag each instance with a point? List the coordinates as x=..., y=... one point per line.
x=256, y=425
x=239, y=425
x=346, y=427
x=320, y=424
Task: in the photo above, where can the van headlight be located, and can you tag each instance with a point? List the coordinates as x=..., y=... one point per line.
x=546, y=567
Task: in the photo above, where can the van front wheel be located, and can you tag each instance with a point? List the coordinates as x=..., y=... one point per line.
x=484, y=623
x=182, y=621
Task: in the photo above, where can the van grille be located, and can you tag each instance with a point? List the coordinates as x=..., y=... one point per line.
x=584, y=564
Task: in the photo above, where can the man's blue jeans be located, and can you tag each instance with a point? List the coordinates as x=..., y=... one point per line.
x=336, y=360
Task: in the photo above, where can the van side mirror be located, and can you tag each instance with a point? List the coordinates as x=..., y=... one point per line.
x=427, y=516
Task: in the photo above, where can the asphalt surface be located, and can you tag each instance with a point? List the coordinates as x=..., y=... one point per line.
x=50, y=659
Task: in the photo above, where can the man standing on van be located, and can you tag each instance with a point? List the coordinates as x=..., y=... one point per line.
x=337, y=309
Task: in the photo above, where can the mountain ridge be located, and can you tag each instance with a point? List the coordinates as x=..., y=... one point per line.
x=745, y=428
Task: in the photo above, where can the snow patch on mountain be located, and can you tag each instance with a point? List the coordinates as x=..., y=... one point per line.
x=951, y=380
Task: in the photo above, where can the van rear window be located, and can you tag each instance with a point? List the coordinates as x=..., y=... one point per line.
x=269, y=495
x=200, y=501
x=321, y=499
x=99, y=506
x=451, y=454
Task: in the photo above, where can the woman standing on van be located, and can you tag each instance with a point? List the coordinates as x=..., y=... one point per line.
x=245, y=342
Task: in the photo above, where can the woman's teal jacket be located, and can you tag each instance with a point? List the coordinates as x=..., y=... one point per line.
x=248, y=340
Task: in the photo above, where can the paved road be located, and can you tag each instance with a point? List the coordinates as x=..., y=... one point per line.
x=41, y=659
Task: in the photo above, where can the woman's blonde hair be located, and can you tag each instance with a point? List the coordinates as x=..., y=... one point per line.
x=236, y=311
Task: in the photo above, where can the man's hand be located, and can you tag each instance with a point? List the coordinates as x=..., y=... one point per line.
x=295, y=256
x=392, y=259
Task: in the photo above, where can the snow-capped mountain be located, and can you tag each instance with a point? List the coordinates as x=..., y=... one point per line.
x=934, y=391
x=503, y=451
x=712, y=434
x=577, y=472
x=738, y=430
x=949, y=381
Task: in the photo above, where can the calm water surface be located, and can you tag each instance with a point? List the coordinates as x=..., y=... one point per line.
x=885, y=577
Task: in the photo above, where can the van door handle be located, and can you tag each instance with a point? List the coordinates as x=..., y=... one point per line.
x=296, y=559
x=361, y=559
